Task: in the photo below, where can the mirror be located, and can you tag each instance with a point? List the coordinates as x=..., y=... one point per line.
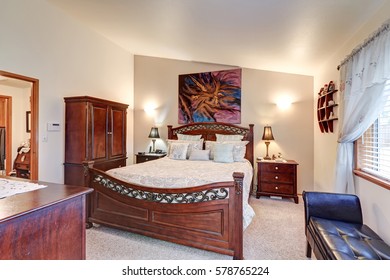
x=29, y=87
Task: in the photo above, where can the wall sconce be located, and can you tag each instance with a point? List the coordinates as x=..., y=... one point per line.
x=267, y=136
x=154, y=134
x=284, y=103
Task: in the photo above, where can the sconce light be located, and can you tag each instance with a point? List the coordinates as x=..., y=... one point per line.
x=267, y=136
x=284, y=103
x=154, y=134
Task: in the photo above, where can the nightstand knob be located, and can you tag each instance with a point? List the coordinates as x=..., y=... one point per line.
x=276, y=177
x=276, y=188
x=276, y=168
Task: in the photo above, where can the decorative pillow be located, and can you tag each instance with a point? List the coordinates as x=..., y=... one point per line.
x=210, y=146
x=192, y=145
x=188, y=137
x=223, y=152
x=228, y=137
x=178, y=151
x=200, y=155
x=239, y=149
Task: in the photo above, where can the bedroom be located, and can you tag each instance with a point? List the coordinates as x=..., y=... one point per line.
x=70, y=59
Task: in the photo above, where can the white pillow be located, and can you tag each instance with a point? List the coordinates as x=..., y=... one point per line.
x=239, y=149
x=178, y=151
x=223, y=152
x=228, y=137
x=188, y=137
x=192, y=145
x=210, y=146
x=200, y=155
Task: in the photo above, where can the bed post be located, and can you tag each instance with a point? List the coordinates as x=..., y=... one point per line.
x=170, y=134
x=238, y=233
x=87, y=176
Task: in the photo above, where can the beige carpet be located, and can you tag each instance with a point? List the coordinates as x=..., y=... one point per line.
x=276, y=233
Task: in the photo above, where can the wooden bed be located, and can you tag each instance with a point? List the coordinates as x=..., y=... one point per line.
x=208, y=217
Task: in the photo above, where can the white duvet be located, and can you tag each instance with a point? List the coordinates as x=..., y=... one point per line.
x=170, y=173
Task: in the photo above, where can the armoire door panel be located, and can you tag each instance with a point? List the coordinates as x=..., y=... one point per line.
x=118, y=134
x=76, y=134
x=99, y=132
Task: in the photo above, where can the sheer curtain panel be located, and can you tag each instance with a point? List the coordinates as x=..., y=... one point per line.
x=363, y=75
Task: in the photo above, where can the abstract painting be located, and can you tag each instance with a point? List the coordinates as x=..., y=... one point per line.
x=210, y=97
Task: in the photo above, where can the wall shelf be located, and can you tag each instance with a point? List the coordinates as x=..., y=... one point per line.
x=326, y=105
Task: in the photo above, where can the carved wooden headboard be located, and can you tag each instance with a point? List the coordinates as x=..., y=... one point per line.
x=208, y=130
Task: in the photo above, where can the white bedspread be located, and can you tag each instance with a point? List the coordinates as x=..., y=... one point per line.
x=169, y=173
x=12, y=187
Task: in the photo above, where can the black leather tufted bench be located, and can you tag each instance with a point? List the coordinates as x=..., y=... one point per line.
x=335, y=229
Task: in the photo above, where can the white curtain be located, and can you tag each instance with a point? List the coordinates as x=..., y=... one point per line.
x=363, y=76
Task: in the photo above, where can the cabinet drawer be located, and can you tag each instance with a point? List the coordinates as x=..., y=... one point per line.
x=277, y=188
x=277, y=167
x=22, y=166
x=277, y=177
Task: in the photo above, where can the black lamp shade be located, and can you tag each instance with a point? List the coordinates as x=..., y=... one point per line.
x=154, y=133
x=267, y=134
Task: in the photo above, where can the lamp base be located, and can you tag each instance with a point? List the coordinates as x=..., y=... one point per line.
x=267, y=157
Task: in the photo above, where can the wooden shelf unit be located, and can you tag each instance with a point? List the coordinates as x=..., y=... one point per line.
x=326, y=111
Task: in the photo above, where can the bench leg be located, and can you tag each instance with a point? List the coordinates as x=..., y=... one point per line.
x=308, y=249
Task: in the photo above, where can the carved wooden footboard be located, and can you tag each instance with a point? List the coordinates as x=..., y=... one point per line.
x=207, y=217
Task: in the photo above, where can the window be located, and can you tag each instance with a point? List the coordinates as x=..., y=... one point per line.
x=373, y=149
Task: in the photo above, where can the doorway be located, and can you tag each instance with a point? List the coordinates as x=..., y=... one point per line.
x=33, y=125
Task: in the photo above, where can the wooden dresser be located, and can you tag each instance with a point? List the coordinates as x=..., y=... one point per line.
x=95, y=130
x=277, y=179
x=45, y=224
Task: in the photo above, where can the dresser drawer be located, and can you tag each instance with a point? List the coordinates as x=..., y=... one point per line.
x=277, y=188
x=277, y=168
x=277, y=177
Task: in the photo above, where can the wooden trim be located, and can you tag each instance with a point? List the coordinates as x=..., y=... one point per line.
x=8, y=124
x=367, y=176
x=373, y=179
x=34, y=102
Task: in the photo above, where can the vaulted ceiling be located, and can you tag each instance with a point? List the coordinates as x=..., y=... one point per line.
x=294, y=36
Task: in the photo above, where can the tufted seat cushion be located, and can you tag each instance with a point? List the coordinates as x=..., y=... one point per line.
x=347, y=241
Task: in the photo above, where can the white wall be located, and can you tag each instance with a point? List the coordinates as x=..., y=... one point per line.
x=374, y=199
x=156, y=83
x=40, y=41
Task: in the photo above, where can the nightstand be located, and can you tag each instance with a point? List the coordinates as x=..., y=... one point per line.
x=139, y=158
x=277, y=179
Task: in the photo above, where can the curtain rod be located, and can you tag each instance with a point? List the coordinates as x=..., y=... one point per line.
x=383, y=28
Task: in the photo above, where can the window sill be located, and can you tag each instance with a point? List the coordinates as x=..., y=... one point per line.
x=380, y=182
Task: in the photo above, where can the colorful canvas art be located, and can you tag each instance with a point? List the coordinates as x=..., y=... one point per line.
x=210, y=97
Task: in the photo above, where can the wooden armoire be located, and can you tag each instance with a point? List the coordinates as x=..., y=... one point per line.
x=95, y=130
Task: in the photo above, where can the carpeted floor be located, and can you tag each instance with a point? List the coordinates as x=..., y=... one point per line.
x=276, y=233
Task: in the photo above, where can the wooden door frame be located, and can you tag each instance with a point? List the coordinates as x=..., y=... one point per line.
x=34, y=105
x=8, y=136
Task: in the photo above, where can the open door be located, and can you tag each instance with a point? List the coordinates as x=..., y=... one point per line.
x=33, y=125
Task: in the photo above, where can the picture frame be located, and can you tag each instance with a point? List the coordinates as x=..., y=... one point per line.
x=28, y=121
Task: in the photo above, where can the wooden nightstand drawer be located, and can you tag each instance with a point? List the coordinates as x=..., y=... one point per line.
x=277, y=188
x=148, y=157
x=277, y=168
x=277, y=177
